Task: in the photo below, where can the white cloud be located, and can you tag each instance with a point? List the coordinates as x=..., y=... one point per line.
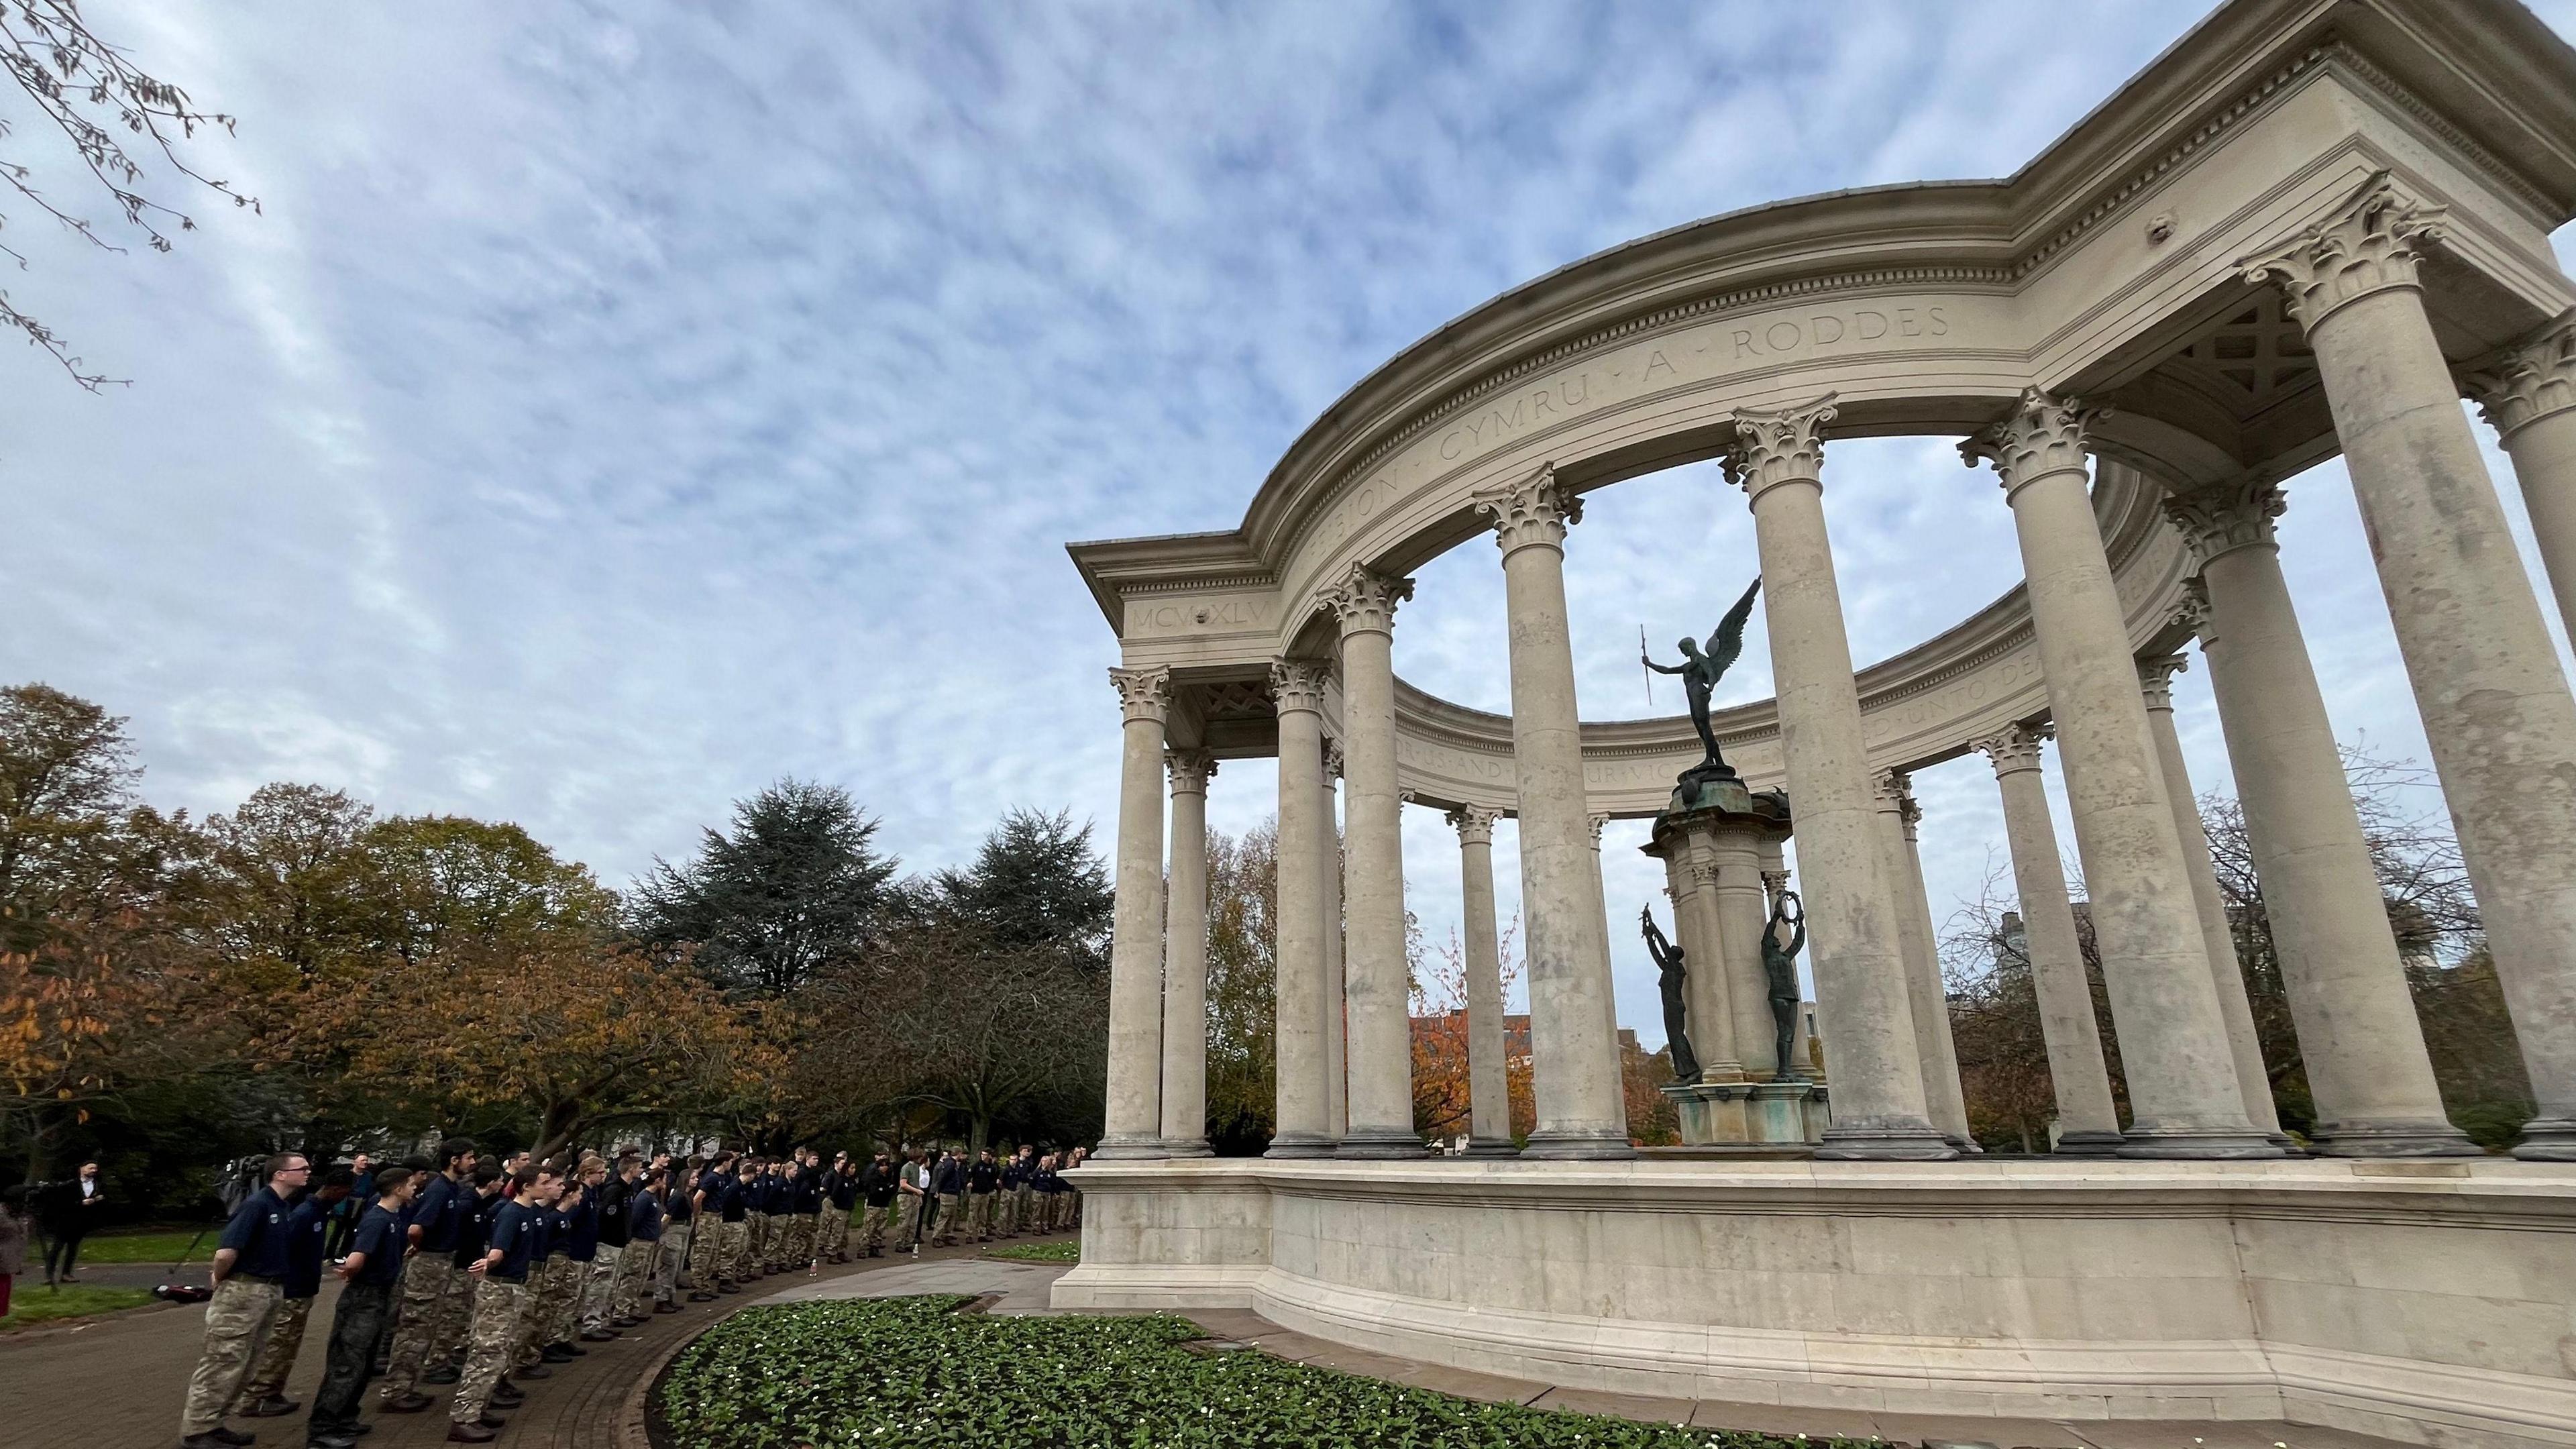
x=621, y=406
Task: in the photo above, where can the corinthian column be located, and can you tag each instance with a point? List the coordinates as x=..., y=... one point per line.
x=2496, y=708
x=2088, y=1124
x=1853, y=938
x=2226, y=976
x=1375, y=983
x=1297, y=686
x=2530, y=400
x=1134, y=1120
x=1489, y=1104
x=1185, y=959
x=1328, y=842
x=1573, y=1047
x=1893, y=793
x=2183, y=1096
x=2359, y=1038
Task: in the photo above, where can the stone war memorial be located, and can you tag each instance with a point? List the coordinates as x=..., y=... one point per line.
x=2311, y=228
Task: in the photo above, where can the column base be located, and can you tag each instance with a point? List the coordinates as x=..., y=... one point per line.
x=2088, y=1144
x=1579, y=1146
x=1965, y=1146
x=1130, y=1149
x=2547, y=1139
x=2203, y=1146
x=1491, y=1147
x=1301, y=1144
x=1382, y=1143
x=2417, y=1138
x=1902, y=1140
x=1187, y=1147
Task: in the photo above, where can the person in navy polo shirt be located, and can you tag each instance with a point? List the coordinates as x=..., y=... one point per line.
x=263, y=1394
x=431, y=1291
x=500, y=1300
x=368, y=1275
x=249, y=1274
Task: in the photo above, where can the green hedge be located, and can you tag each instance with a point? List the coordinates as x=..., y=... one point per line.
x=914, y=1371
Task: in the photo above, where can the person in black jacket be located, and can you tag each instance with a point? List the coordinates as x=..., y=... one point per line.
x=879, y=1188
x=809, y=1208
x=67, y=1211
x=368, y=1275
x=599, y=1289
x=249, y=1275
x=983, y=1189
x=432, y=1291
x=948, y=1194
x=840, y=1198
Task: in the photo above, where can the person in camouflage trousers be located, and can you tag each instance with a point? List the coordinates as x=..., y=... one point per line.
x=502, y=1307
x=263, y=1395
x=248, y=1274
x=740, y=1267
x=1020, y=1184
x=429, y=1276
x=878, y=1189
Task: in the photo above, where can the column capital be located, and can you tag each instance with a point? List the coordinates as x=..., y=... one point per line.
x=1334, y=759
x=1892, y=791
x=2155, y=679
x=2194, y=612
x=1143, y=693
x=1365, y=600
x=1474, y=824
x=2225, y=518
x=1190, y=770
x=2533, y=381
x=2370, y=244
x=2015, y=748
x=1597, y=822
x=2042, y=436
x=1298, y=684
x=1776, y=446
x=1702, y=869
x=1536, y=511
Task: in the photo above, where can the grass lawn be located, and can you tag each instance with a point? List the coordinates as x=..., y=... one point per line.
x=914, y=1370
x=34, y=1303
x=152, y=1245
x=1069, y=1251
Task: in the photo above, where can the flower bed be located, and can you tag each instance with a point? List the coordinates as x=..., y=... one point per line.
x=914, y=1371
x=1067, y=1251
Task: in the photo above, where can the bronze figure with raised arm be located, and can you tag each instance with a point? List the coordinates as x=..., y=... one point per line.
x=1701, y=668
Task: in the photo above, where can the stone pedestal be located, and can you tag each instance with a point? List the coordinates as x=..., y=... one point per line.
x=1721, y=823
x=1762, y=1118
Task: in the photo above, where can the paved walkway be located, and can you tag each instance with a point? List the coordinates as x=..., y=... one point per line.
x=117, y=1382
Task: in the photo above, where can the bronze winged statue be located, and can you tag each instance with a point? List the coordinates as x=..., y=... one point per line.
x=1701, y=668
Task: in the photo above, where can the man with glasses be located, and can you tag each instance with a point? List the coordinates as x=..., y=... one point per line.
x=249, y=1276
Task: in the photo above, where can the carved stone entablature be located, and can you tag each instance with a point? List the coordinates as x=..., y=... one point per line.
x=1781, y=446
x=1143, y=693
x=1365, y=600
x=1535, y=511
x=1474, y=824
x=2371, y=245
x=1299, y=684
x=2042, y=436
x=1190, y=770
x=2155, y=679
x=2226, y=518
x=2015, y=747
x=2533, y=381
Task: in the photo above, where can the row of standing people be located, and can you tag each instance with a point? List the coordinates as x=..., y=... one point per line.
x=483, y=1277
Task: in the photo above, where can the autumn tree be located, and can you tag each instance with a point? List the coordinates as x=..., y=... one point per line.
x=584, y=1033
x=96, y=967
x=120, y=121
x=1243, y=985
x=1443, y=1096
x=797, y=884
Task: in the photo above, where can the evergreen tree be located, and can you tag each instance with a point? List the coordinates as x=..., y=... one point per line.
x=796, y=885
x=1038, y=883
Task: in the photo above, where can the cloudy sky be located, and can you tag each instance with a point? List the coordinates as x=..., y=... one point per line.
x=621, y=406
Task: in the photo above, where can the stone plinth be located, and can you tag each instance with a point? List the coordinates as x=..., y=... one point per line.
x=1764, y=1115
x=1713, y=838
x=2422, y=1301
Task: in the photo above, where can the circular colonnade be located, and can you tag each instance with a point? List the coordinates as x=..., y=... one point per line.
x=2306, y=230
